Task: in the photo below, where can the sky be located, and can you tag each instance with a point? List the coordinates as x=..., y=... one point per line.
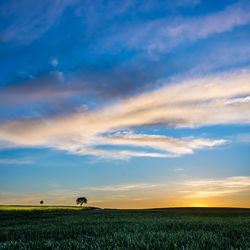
x=132, y=104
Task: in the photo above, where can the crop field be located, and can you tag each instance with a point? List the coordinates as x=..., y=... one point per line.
x=90, y=228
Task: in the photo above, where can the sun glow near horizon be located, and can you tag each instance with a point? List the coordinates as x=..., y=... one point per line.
x=226, y=192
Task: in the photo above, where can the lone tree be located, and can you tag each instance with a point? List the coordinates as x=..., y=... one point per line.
x=81, y=200
x=41, y=202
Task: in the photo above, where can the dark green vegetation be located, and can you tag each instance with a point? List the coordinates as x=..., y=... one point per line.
x=182, y=228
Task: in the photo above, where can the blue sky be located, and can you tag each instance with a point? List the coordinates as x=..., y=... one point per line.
x=130, y=103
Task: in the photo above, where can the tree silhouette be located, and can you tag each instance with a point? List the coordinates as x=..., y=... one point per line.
x=41, y=202
x=81, y=200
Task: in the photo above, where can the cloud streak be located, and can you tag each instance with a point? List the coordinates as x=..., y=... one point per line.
x=206, y=188
x=163, y=143
x=6, y=161
x=28, y=20
x=163, y=34
x=125, y=187
x=211, y=100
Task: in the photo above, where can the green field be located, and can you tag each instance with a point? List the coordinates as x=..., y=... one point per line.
x=76, y=228
x=42, y=208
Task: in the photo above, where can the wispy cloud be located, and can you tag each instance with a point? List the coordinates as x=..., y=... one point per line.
x=125, y=187
x=201, y=27
x=211, y=100
x=243, y=138
x=205, y=188
x=40, y=89
x=163, y=34
x=164, y=143
x=121, y=154
x=24, y=25
x=6, y=161
x=178, y=170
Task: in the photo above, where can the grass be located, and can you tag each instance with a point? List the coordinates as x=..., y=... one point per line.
x=76, y=228
x=40, y=208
